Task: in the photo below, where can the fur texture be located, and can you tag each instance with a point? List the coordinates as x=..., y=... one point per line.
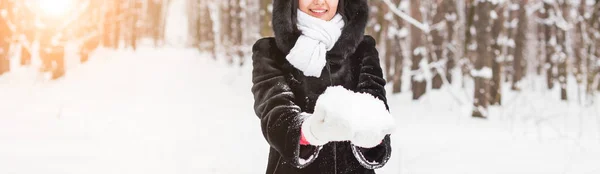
x=282, y=93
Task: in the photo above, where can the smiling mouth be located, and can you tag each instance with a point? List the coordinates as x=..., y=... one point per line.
x=319, y=11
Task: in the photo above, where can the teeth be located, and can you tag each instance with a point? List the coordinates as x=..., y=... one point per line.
x=319, y=11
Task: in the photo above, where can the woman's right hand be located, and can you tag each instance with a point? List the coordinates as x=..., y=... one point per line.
x=326, y=124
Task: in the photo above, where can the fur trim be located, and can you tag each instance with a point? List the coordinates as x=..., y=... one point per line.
x=358, y=154
x=355, y=13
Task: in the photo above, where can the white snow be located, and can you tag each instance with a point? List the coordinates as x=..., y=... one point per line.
x=493, y=15
x=176, y=22
x=485, y=72
x=502, y=39
x=451, y=17
x=403, y=32
x=176, y=111
x=420, y=51
x=511, y=43
x=514, y=7
x=361, y=110
x=472, y=30
x=343, y=115
x=150, y=112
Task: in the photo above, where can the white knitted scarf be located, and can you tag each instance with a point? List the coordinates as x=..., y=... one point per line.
x=318, y=36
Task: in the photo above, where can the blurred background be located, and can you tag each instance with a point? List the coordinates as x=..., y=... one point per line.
x=163, y=86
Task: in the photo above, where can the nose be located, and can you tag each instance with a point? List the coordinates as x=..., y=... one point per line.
x=318, y=2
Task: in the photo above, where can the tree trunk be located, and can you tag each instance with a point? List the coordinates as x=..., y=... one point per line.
x=395, y=47
x=201, y=23
x=595, y=68
x=117, y=24
x=451, y=19
x=25, y=56
x=510, y=43
x=265, y=13
x=561, y=35
x=387, y=40
x=237, y=27
x=136, y=5
x=211, y=39
x=470, y=23
x=438, y=45
x=496, y=83
x=226, y=30
x=417, y=52
x=593, y=49
x=469, y=41
x=193, y=10
x=520, y=41
x=398, y=67
x=5, y=36
x=541, y=44
x=4, y=56
x=579, y=48
x=109, y=24
x=241, y=17
x=126, y=25
x=206, y=33
x=483, y=60
x=548, y=34
x=155, y=12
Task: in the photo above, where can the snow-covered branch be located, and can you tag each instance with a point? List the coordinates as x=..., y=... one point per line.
x=485, y=72
x=534, y=8
x=406, y=17
x=559, y=19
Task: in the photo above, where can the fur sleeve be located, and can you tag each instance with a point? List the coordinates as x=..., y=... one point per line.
x=371, y=81
x=280, y=117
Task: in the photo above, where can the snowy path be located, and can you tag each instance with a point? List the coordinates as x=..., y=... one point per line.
x=111, y=116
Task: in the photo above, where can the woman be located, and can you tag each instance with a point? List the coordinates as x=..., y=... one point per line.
x=320, y=44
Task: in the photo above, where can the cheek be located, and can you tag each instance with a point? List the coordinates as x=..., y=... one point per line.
x=333, y=4
x=303, y=4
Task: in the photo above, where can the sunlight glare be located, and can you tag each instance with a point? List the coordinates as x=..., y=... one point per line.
x=55, y=7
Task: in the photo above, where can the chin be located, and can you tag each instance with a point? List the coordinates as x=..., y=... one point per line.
x=326, y=17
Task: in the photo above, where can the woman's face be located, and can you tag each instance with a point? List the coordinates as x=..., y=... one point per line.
x=322, y=9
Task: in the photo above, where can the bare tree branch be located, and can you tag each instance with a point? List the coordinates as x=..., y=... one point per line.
x=426, y=29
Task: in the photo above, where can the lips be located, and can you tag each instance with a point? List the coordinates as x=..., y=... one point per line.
x=318, y=12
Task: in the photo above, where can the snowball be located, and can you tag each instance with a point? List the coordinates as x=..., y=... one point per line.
x=363, y=111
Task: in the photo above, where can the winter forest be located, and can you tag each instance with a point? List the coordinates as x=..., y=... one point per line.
x=163, y=86
x=494, y=44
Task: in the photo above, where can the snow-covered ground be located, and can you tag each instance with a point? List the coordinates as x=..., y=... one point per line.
x=177, y=111
x=157, y=111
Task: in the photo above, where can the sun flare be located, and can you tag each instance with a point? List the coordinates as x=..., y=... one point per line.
x=55, y=7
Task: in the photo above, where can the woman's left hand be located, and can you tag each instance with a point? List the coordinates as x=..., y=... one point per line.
x=368, y=138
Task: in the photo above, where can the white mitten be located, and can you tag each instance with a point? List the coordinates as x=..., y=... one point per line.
x=343, y=115
x=371, y=121
x=327, y=123
x=367, y=139
x=373, y=130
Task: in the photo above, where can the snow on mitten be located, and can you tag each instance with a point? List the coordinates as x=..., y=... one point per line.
x=367, y=139
x=370, y=120
x=371, y=127
x=327, y=123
